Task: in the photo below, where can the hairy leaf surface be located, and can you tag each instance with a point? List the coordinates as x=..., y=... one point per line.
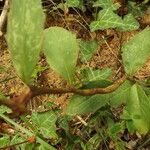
x=61, y=50
x=137, y=109
x=136, y=51
x=121, y=94
x=25, y=34
x=86, y=104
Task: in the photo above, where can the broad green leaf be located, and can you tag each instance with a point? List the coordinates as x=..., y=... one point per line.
x=90, y=104
x=106, y=4
x=24, y=35
x=89, y=74
x=108, y=19
x=45, y=122
x=87, y=49
x=80, y=105
x=137, y=108
x=129, y=23
x=95, y=78
x=61, y=50
x=121, y=94
x=136, y=52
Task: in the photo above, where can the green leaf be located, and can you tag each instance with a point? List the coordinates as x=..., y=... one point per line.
x=72, y=142
x=106, y=4
x=147, y=91
x=38, y=69
x=24, y=35
x=4, y=141
x=61, y=50
x=114, y=129
x=130, y=126
x=121, y=94
x=2, y=96
x=42, y=147
x=4, y=109
x=79, y=105
x=87, y=49
x=135, y=9
x=45, y=122
x=95, y=78
x=75, y=3
x=94, y=142
x=17, y=139
x=64, y=123
x=90, y=75
x=137, y=108
x=129, y=23
x=136, y=52
x=108, y=19
x=30, y=146
x=96, y=84
x=72, y=3
x=27, y=132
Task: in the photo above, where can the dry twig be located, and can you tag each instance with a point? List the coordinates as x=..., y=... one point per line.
x=3, y=15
